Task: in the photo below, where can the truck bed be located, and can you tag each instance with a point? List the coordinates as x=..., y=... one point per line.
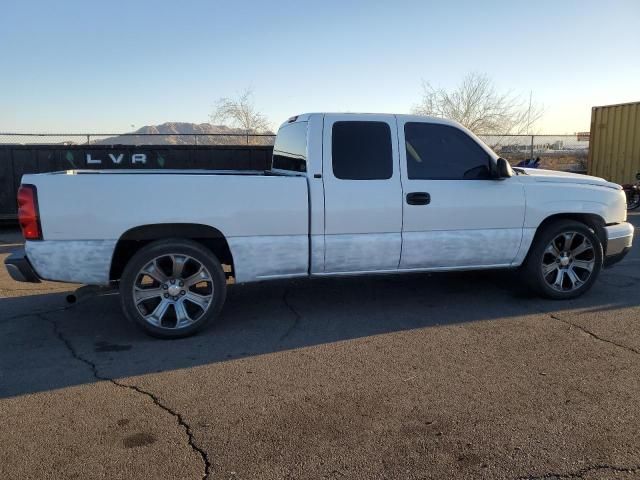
x=263, y=217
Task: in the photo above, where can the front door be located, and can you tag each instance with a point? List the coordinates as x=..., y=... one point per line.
x=363, y=193
x=455, y=214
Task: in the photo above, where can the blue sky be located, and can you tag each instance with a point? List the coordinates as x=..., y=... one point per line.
x=104, y=66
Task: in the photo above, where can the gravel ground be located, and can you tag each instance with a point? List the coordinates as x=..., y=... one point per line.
x=415, y=376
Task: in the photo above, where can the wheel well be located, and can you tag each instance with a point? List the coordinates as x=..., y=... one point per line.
x=591, y=220
x=136, y=238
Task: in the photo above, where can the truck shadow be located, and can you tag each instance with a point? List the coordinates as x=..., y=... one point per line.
x=46, y=344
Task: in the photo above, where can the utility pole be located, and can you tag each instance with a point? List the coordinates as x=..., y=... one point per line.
x=529, y=121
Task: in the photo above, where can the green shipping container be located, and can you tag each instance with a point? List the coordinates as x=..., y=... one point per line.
x=614, y=143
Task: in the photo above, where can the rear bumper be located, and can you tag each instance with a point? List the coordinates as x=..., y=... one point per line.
x=20, y=269
x=619, y=241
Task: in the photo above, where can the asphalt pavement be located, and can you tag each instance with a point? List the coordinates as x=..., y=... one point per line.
x=416, y=376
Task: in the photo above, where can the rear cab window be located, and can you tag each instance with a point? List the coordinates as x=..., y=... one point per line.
x=290, y=148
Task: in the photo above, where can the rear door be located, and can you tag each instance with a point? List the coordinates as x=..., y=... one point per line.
x=455, y=214
x=363, y=193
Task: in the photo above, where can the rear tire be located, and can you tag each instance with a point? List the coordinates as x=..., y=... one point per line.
x=172, y=288
x=564, y=260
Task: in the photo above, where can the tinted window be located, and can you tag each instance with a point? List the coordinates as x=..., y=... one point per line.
x=441, y=152
x=290, y=149
x=362, y=151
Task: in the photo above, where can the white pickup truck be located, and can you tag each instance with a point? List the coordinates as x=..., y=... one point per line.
x=347, y=194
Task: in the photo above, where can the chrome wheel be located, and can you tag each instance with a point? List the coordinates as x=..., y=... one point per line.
x=568, y=261
x=173, y=291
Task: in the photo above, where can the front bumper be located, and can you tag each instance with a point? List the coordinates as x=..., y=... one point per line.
x=20, y=269
x=619, y=241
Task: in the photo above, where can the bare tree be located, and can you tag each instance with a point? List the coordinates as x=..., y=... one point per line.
x=240, y=113
x=477, y=105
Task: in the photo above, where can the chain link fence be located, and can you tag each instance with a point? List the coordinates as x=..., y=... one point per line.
x=136, y=139
x=556, y=152
x=34, y=153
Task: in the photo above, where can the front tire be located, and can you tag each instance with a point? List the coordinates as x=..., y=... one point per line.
x=564, y=260
x=172, y=288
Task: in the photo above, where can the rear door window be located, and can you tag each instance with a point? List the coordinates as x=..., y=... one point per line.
x=361, y=150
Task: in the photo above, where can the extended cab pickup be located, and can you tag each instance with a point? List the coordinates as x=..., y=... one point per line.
x=347, y=194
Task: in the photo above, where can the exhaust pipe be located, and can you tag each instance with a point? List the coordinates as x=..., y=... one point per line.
x=88, y=291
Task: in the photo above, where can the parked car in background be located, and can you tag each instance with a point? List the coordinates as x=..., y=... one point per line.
x=347, y=194
x=632, y=192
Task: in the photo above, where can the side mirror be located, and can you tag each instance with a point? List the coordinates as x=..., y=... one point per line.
x=503, y=169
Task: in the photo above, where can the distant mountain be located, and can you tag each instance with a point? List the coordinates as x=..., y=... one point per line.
x=182, y=133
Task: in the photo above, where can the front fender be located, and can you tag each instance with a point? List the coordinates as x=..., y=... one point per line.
x=544, y=201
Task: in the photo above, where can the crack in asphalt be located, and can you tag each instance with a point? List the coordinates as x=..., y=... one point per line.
x=94, y=369
x=296, y=320
x=36, y=314
x=582, y=472
x=592, y=334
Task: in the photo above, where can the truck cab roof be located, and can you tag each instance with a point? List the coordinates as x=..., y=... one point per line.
x=304, y=117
